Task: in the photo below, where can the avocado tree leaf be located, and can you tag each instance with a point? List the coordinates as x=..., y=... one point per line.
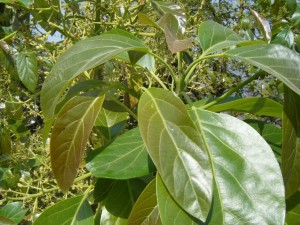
x=126, y=157
x=291, y=142
x=14, y=212
x=263, y=25
x=74, y=210
x=254, y=105
x=145, y=211
x=27, y=69
x=214, y=37
x=5, y=221
x=277, y=60
x=175, y=147
x=84, y=55
x=285, y=38
x=70, y=134
x=293, y=209
x=247, y=176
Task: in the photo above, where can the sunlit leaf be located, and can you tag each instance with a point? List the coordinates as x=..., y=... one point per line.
x=14, y=212
x=75, y=210
x=176, y=149
x=277, y=60
x=84, y=55
x=293, y=209
x=146, y=20
x=145, y=210
x=254, y=105
x=126, y=157
x=285, y=38
x=214, y=37
x=248, y=180
x=70, y=134
x=291, y=142
x=108, y=218
x=263, y=25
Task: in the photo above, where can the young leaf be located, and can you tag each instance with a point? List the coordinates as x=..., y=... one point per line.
x=145, y=210
x=27, y=69
x=254, y=105
x=70, y=134
x=14, y=212
x=247, y=176
x=84, y=55
x=176, y=149
x=214, y=37
x=263, y=25
x=126, y=157
x=277, y=60
x=70, y=211
x=291, y=142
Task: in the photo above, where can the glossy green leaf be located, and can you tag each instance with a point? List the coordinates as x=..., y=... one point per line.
x=248, y=180
x=27, y=69
x=73, y=211
x=163, y=7
x=126, y=157
x=170, y=211
x=285, y=38
x=70, y=134
x=254, y=105
x=293, y=209
x=271, y=133
x=291, y=142
x=263, y=25
x=214, y=37
x=277, y=60
x=14, y=212
x=5, y=221
x=147, y=62
x=176, y=149
x=120, y=201
x=145, y=210
x=84, y=55
x=102, y=189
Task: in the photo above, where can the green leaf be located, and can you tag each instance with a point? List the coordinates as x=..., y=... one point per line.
x=214, y=37
x=277, y=60
x=293, y=209
x=176, y=149
x=271, y=133
x=70, y=211
x=14, y=212
x=5, y=141
x=70, y=134
x=263, y=25
x=247, y=176
x=145, y=210
x=27, y=69
x=126, y=157
x=163, y=8
x=86, y=54
x=108, y=218
x=285, y=38
x=5, y=221
x=254, y=105
x=102, y=189
x=7, y=60
x=146, y=20
x=291, y=142
x=170, y=211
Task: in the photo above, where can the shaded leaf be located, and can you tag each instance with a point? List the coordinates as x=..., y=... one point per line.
x=175, y=148
x=14, y=212
x=27, y=69
x=145, y=210
x=86, y=54
x=214, y=37
x=277, y=60
x=285, y=38
x=7, y=60
x=5, y=221
x=293, y=209
x=263, y=25
x=170, y=211
x=247, y=176
x=74, y=210
x=70, y=134
x=126, y=157
x=147, y=62
x=5, y=141
x=102, y=189
x=254, y=105
x=291, y=142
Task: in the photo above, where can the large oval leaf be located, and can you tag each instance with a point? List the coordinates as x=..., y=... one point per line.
x=126, y=157
x=84, y=55
x=176, y=149
x=247, y=176
x=70, y=211
x=291, y=142
x=70, y=134
x=277, y=60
